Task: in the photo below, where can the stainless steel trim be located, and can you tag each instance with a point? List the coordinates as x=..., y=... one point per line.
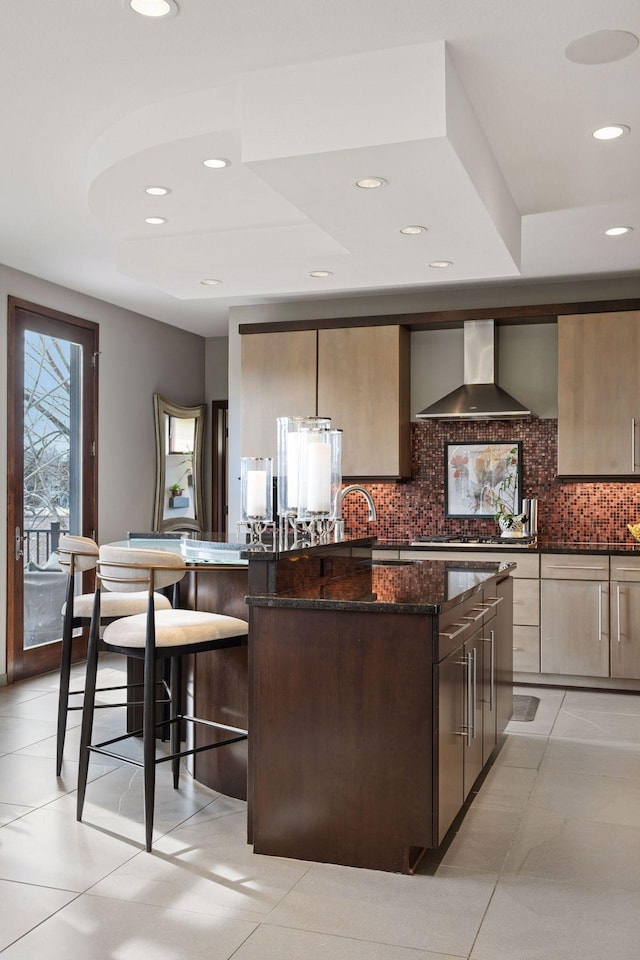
x=475, y=691
x=492, y=668
x=600, y=611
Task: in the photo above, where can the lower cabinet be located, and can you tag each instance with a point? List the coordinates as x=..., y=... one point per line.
x=474, y=697
x=625, y=617
x=574, y=615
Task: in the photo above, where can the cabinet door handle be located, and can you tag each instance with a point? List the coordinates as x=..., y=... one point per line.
x=469, y=696
x=618, y=604
x=633, y=444
x=571, y=566
x=600, y=611
x=492, y=668
x=450, y=636
x=475, y=693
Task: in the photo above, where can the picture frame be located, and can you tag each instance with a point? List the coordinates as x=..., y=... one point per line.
x=482, y=478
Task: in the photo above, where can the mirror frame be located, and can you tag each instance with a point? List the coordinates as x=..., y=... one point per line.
x=162, y=408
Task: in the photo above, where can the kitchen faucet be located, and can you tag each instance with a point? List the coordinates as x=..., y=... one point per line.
x=339, y=522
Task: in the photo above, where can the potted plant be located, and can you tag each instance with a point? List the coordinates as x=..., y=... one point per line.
x=175, y=490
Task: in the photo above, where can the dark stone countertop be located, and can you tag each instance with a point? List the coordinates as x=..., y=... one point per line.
x=427, y=587
x=542, y=545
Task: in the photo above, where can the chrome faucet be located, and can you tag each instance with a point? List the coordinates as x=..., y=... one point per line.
x=339, y=522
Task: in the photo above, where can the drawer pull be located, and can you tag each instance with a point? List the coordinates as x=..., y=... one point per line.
x=479, y=616
x=626, y=570
x=570, y=566
x=450, y=636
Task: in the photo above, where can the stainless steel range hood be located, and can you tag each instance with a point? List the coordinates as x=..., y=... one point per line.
x=479, y=397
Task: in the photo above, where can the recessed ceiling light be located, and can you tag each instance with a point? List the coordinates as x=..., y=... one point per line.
x=154, y=8
x=370, y=183
x=157, y=191
x=412, y=230
x=216, y=163
x=612, y=132
x=209, y=282
x=603, y=46
x=440, y=264
x=155, y=220
x=618, y=231
x=321, y=273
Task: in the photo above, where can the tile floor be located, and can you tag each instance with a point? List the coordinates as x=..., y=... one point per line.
x=545, y=865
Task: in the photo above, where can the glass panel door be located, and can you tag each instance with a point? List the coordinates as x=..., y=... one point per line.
x=52, y=476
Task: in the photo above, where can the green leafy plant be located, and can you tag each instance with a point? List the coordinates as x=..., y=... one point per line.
x=506, y=491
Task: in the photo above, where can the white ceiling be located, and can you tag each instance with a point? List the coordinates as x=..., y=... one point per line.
x=470, y=110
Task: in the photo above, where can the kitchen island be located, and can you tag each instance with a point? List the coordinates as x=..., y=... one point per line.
x=378, y=692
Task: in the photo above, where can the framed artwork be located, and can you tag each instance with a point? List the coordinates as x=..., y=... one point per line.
x=481, y=479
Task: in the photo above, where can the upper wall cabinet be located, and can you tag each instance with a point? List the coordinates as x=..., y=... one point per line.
x=358, y=376
x=364, y=386
x=599, y=395
x=278, y=380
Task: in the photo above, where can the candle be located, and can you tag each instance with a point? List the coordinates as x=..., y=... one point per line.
x=319, y=477
x=256, y=493
x=293, y=469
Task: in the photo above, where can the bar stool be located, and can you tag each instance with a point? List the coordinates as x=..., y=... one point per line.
x=79, y=554
x=152, y=636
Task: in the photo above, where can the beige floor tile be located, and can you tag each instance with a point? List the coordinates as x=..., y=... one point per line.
x=92, y=928
x=53, y=850
x=207, y=866
x=24, y=906
x=114, y=802
x=31, y=781
x=16, y=733
x=588, y=797
x=280, y=943
x=603, y=701
x=534, y=920
x=441, y=913
x=506, y=787
x=621, y=760
x=593, y=726
x=542, y=724
x=554, y=847
x=12, y=811
x=521, y=751
x=483, y=839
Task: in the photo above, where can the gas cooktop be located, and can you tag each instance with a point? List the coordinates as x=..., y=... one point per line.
x=447, y=540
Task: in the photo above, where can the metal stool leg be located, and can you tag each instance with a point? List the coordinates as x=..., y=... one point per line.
x=149, y=746
x=88, y=705
x=176, y=712
x=65, y=673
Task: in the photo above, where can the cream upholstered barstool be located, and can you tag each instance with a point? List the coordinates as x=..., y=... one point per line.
x=152, y=636
x=77, y=555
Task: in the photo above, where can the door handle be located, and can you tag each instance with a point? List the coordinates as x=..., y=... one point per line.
x=19, y=540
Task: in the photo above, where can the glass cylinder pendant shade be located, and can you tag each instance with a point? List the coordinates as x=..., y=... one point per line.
x=289, y=463
x=256, y=480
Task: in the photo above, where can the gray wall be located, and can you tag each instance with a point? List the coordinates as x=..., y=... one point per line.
x=138, y=357
x=435, y=370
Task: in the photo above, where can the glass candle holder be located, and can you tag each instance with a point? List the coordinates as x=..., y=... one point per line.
x=256, y=484
x=320, y=452
x=292, y=432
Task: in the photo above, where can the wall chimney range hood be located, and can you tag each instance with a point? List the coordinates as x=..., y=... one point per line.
x=479, y=397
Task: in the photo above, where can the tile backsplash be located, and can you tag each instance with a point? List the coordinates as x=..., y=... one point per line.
x=566, y=511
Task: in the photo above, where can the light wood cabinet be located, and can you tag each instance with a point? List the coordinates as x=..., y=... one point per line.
x=598, y=394
x=278, y=380
x=357, y=376
x=574, y=615
x=363, y=385
x=625, y=617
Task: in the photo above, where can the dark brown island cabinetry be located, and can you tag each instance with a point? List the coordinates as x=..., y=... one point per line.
x=374, y=705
